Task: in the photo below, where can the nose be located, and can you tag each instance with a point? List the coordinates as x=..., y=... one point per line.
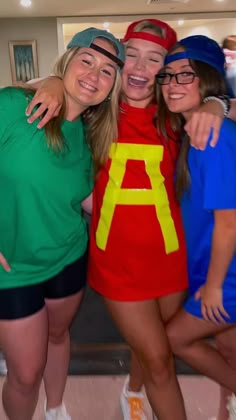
x=140, y=63
x=173, y=80
x=94, y=74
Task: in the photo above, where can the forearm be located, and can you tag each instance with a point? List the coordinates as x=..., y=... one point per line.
x=35, y=83
x=87, y=204
x=232, y=111
x=39, y=82
x=223, y=247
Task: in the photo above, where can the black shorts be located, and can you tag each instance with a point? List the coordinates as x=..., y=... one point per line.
x=19, y=302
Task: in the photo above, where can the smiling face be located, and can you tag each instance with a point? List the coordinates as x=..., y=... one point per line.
x=89, y=78
x=143, y=61
x=181, y=98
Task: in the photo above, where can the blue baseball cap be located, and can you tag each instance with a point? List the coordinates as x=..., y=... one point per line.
x=85, y=39
x=200, y=48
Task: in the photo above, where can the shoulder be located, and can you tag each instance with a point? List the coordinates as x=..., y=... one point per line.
x=228, y=126
x=227, y=137
x=226, y=140
x=221, y=156
x=13, y=96
x=12, y=92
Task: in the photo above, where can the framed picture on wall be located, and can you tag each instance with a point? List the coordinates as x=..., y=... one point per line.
x=23, y=60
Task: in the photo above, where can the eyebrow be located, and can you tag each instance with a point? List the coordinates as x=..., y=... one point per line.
x=182, y=67
x=149, y=51
x=92, y=56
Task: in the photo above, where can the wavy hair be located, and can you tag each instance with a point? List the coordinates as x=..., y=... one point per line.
x=101, y=120
x=211, y=83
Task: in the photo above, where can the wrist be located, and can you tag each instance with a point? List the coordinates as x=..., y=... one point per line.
x=214, y=282
x=55, y=76
x=224, y=100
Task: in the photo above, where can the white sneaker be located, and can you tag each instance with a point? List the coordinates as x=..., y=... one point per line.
x=132, y=404
x=57, y=413
x=231, y=406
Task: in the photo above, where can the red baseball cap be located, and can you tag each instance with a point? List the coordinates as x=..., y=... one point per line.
x=169, y=39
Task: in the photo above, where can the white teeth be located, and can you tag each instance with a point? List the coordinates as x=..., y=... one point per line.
x=89, y=87
x=142, y=79
x=176, y=96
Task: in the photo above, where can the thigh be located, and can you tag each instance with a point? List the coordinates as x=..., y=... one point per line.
x=21, y=302
x=24, y=343
x=61, y=312
x=185, y=328
x=141, y=325
x=170, y=304
x=63, y=294
x=226, y=344
x=69, y=281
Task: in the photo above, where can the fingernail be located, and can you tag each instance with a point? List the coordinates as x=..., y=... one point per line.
x=29, y=121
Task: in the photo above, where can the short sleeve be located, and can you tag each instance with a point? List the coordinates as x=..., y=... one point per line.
x=218, y=170
x=8, y=104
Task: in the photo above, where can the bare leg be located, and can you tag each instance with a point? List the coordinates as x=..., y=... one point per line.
x=136, y=374
x=168, y=305
x=226, y=344
x=223, y=413
x=186, y=335
x=60, y=315
x=24, y=343
x=143, y=329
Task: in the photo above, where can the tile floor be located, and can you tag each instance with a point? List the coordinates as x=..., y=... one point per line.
x=97, y=398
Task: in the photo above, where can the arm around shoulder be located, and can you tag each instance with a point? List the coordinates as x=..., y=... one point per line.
x=49, y=99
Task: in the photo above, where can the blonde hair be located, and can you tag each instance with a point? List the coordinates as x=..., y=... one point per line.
x=54, y=136
x=102, y=122
x=146, y=25
x=101, y=119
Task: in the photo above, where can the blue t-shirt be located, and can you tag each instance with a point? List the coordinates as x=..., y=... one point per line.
x=213, y=187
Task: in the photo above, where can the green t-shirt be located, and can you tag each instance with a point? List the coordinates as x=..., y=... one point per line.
x=41, y=225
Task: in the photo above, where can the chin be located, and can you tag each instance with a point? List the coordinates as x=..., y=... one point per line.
x=175, y=108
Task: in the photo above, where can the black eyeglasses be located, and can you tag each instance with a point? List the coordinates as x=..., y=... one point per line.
x=183, y=78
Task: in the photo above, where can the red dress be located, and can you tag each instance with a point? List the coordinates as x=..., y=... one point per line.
x=137, y=246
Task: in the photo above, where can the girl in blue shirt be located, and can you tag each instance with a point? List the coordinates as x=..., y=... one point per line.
x=205, y=184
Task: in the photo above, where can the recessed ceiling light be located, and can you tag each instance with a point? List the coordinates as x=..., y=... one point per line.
x=26, y=3
x=180, y=22
x=106, y=24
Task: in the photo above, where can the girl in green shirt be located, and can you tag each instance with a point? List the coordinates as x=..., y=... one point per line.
x=46, y=178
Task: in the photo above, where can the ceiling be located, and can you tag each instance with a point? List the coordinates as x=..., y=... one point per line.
x=62, y=8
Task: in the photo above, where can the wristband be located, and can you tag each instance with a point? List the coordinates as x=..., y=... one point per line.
x=224, y=100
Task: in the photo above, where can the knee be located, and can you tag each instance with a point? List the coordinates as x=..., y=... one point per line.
x=27, y=379
x=58, y=335
x=176, y=340
x=227, y=350
x=159, y=368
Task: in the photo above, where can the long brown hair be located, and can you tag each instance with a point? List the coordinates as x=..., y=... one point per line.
x=211, y=83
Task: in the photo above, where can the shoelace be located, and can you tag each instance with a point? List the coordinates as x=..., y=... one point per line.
x=136, y=408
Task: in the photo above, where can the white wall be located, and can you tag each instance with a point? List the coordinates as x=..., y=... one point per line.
x=43, y=30
x=214, y=25
x=217, y=29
